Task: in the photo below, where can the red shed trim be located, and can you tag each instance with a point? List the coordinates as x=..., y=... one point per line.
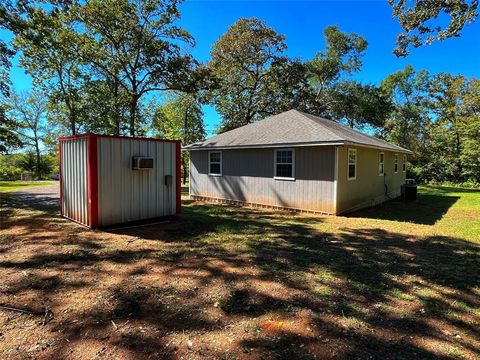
x=60, y=175
x=116, y=137
x=92, y=180
x=179, y=178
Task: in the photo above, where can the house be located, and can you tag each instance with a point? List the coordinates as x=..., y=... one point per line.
x=297, y=161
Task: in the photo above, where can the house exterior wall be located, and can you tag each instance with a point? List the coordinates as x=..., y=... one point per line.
x=73, y=156
x=126, y=195
x=368, y=188
x=248, y=176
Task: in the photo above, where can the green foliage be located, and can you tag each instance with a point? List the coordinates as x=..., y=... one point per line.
x=455, y=102
x=9, y=138
x=136, y=44
x=343, y=54
x=180, y=117
x=13, y=165
x=9, y=172
x=98, y=59
x=29, y=111
x=438, y=118
x=241, y=63
x=359, y=105
x=47, y=44
x=255, y=79
x=417, y=18
x=408, y=125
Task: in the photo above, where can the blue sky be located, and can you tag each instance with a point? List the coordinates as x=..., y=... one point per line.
x=302, y=23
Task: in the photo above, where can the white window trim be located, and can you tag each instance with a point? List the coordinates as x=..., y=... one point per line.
x=348, y=164
x=381, y=173
x=395, y=161
x=275, y=165
x=221, y=163
x=404, y=165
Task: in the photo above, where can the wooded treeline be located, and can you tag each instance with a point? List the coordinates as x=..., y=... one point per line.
x=124, y=67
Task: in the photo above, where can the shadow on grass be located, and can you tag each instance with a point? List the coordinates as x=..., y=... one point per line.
x=367, y=293
x=430, y=207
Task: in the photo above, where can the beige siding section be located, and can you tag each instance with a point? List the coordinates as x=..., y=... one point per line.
x=248, y=175
x=368, y=188
x=129, y=195
x=74, y=179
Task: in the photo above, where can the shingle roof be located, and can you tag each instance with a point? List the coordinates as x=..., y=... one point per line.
x=292, y=128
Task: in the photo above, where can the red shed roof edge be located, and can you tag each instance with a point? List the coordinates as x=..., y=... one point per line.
x=79, y=136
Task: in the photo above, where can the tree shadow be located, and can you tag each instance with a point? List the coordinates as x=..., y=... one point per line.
x=221, y=273
x=427, y=209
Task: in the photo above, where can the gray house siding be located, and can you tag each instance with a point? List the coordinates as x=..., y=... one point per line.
x=248, y=176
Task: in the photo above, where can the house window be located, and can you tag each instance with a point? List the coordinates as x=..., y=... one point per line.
x=381, y=164
x=215, y=163
x=395, y=164
x=352, y=164
x=404, y=165
x=284, y=164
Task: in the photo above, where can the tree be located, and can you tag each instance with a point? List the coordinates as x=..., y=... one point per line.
x=288, y=87
x=470, y=130
x=136, y=44
x=342, y=56
x=5, y=51
x=241, y=63
x=417, y=19
x=408, y=125
x=359, y=105
x=29, y=112
x=180, y=117
x=46, y=41
x=455, y=103
x=8, y=137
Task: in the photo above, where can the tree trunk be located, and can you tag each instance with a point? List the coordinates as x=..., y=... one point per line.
x=185, y=170
x=37, y=153
x=133, y=113
x=116, y=107
x=458, y=169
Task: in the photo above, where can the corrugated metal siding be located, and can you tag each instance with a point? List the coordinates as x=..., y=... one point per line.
x=248, y=176
x=128, y=195
x=74, y=179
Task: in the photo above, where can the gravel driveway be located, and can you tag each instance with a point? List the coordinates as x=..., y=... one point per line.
x=37, y=197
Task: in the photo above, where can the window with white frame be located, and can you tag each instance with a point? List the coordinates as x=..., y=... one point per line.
x=381, y=164
x=395, y=164
x=284, y=164
x=352, y=164
x=404, y=165
x=215, y=163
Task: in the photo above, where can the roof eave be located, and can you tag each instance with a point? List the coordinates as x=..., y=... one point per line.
x=398, y=149
x=263, y=146
x=269, y=146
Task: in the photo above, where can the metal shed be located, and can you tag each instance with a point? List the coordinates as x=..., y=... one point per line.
x=108, y=180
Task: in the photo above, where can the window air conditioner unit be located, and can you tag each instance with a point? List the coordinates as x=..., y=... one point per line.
x=142, y=163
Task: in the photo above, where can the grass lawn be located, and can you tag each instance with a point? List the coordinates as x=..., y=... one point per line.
x=398, y=281
x=8, y=186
